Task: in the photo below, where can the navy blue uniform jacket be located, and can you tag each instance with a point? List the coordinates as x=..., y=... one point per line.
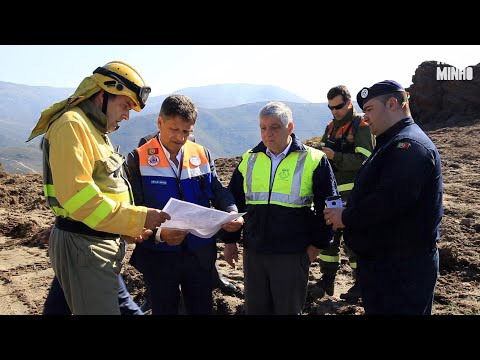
x=395, y=208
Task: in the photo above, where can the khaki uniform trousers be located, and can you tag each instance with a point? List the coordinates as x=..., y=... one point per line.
x=87, y=268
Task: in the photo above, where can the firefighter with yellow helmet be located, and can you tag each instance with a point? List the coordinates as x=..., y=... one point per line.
x=87, y=189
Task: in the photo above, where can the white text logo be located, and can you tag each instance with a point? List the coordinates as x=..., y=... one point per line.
x=452, y=73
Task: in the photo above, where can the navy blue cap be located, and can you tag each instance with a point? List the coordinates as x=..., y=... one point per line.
x=380, y=88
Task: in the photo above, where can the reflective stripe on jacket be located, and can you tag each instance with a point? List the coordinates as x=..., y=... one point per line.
x=160, y=183
x=290, y=187
x=288, y=223
x=84, y=177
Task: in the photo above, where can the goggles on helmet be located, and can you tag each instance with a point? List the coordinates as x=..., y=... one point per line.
x=142, y=92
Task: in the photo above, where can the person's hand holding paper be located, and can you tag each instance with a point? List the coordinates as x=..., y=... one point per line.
x=234, y=225
x=199, y=220
x=173, y=237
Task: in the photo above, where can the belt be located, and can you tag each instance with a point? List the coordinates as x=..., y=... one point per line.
x=80, y=228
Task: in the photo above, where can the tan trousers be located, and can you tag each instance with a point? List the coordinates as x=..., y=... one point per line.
x=87, y=268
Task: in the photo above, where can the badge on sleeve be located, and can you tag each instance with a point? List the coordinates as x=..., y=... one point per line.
x=403, y=145
x=153, y=160
x=195, y=160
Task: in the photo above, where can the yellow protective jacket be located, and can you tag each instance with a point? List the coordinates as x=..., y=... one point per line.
x=84, y=177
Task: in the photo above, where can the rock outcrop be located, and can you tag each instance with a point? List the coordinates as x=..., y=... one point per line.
x=434, y=100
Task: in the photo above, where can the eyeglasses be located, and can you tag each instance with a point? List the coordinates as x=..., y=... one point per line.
x=337, y=107
x=142, y=92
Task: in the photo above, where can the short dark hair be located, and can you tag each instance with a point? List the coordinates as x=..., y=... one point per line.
x=339, y=90
x=401, y=97
x=181, y=105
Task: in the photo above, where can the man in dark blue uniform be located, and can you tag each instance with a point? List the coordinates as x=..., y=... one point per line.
x=170, y=166
x=218, y=280
x=394, y=212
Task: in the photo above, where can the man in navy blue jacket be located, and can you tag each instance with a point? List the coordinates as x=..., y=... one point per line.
x=218, y=280
x=394, y=212
x=171, y=166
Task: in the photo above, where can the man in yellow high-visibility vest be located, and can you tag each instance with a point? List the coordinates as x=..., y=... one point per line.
x=282, y=185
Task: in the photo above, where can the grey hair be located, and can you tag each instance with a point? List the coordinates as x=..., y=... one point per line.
x=279, y=110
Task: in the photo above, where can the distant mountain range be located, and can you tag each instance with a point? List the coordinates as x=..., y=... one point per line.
x=229, y=131
x=226, y=95
x=227, y=123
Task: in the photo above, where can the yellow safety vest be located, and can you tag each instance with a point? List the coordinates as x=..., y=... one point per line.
x=292, y=185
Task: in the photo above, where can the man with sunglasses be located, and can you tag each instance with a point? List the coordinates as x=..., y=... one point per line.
x=347, y=142
x=87, y=188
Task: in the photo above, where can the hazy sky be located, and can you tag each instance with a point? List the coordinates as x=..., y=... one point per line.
x=308, y=71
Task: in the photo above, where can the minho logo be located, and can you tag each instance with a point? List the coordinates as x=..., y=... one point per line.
x=452, y=73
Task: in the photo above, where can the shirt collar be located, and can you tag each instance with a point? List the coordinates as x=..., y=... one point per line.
x=283, y=153
x=167, y=153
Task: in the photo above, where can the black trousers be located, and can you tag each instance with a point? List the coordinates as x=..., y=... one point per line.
x=399, y=286
x=169, y=273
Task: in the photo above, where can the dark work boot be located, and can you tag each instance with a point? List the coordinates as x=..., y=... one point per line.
x=147, y=303
x=146, y=306
x=222, y=283
x=353, y=294
x=226, y=286
x=327, y=283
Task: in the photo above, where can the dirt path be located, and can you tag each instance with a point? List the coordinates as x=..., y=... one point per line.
x=25, y=275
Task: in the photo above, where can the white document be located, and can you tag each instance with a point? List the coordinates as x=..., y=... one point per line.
x=198, y=220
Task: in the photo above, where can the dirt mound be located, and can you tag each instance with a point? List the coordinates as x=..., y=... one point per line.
x=22, y=191
x=25, y=273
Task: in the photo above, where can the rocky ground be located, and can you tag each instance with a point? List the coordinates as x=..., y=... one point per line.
x=25, y=272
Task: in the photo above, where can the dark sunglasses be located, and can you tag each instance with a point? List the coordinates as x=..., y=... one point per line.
x=337, y=107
